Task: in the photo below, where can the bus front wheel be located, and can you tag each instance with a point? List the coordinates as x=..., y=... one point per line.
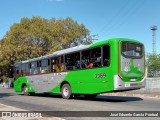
x=66, y=91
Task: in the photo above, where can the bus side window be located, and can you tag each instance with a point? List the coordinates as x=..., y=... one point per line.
x=45, y=66
x=23, y=69
x=72, y=61
x=85, y=58
x=77, y=60
x=17, y=71
x=39, y=63
x=96, y=56
x=91, y=58
x=26, y=69
x=106, y=55
x=34, y=69
x=59, y=65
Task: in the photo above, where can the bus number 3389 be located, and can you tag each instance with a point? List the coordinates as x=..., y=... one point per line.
x=101, y=75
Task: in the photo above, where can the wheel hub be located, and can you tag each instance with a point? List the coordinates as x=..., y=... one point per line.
x=65, y=91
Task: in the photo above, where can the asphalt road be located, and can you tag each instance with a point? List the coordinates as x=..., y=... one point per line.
x=41, y=102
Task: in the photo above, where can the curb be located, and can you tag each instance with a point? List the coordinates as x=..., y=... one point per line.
x=132, y=95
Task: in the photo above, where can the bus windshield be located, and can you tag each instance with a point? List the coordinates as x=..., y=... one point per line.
x=131, y=50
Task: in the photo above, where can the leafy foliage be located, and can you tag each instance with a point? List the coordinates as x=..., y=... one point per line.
x=153, y=64
x=37, y=37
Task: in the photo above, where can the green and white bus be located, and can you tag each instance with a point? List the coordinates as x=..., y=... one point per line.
x=116, y=64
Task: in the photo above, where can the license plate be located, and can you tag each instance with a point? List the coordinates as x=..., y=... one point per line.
x=127, y=85
x=132, y=80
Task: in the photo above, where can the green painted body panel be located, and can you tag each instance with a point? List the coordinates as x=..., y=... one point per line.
x=57, y=89
x=19, y=82
x=84, y=81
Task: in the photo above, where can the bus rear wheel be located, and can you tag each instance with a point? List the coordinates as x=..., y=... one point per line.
x=25, y=90
x=66, y=91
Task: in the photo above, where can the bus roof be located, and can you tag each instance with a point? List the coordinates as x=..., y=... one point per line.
x=69, y=50
x=77, y=48
x=111, y=40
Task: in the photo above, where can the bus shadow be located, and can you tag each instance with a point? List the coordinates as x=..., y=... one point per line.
x=44, y=95
x=2, y=95
x=116, y=99
x=99, y=98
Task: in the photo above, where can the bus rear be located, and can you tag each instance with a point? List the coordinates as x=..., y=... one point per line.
x=131, y=66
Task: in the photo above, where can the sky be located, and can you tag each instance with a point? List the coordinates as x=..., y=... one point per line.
x=104, y=18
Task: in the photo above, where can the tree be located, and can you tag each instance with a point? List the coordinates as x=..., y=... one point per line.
x=37, y=37
x=153, y=64
x=67, y=33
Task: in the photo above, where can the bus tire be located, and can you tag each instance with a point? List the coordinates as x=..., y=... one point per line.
x=66, y=91
x=90, y=96
x=25, y=90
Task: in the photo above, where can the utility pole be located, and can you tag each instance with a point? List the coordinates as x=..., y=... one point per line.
x=153, y=28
